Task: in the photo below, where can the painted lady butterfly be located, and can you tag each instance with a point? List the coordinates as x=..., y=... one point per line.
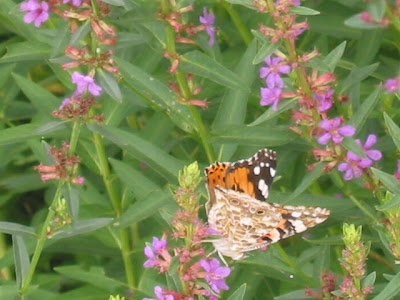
x=236, y=207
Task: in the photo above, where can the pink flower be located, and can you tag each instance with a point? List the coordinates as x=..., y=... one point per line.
x=325, y=100
x=271, y=96
x=334, y=132
x=84, y=83
x=208, y=20
x=75, y=3
x=38, y=12
x=392, y=85
x=215, y=274
x=273, y=71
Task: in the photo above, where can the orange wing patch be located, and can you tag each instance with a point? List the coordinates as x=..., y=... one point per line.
x=238, y=180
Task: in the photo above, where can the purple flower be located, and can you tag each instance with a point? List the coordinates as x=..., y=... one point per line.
x=75, y=3
x=325, y=100
x=372, y=154
x=38, y=12
x=215, y=274
x=354, y=165
x=208, y=20
x=273, y=71
x=397, y=174
x=293, y=2
x=334, y=132
x=271, y=96
x=66, y=101
x=392, y=85
x=84, y=82
x=159, y=292
x=153, y=251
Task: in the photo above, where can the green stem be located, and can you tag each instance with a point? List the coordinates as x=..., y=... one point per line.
x=40, y=242
x=243, y=31
x=43, y=234
x=116, y=203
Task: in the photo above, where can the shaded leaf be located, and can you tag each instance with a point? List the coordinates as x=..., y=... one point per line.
x=21, y=258
x=389, y=181
x=200, y=64
x=81, y=227
x=239, y=293
x=390, y=290
x=110, y=85
x=17, y=229
x=394, y=130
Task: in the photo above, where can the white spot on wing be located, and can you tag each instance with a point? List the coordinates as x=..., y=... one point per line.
x=257, y=170
x=298, y=225
x=263, y=187
x=272, y=172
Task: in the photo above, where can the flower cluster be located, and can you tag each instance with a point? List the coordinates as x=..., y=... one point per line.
x=354, y=257
x=78, y=106
x=64, y=168
x=273, y=93
x=196, y=269
x=175, y=17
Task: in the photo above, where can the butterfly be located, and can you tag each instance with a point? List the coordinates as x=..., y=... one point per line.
x=238, y=212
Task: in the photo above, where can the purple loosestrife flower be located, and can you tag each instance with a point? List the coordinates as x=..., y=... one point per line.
x=273, y=71
x=38, y=12
x=158, y=247
x=208, y=20
x=215, y=274
x=334, y=132
x=325, y=100
x=397, y=174
x=75, y=3
x=354, y=165
x=159, y=292
x=392, y=85
x=85, y=82
x=271, y=96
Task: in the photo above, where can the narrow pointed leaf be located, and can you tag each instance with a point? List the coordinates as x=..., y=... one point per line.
x=110, y=85
x=365, y=109
x=394, y=130
x=21, y=258
x=17, y=229
x=239, y=293
x=81, y=227
x=390, y=290
x=200, y=64
x=389, y=181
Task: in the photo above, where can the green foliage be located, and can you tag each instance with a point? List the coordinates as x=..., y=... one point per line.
x=92, y=247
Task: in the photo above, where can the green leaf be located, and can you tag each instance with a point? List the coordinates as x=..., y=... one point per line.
x=257, y=136
x=150, y=198
x=356, y=76
x=356, y=22
x=308, y=180
x=18, y=134
x=390, y=290
x=239, y=293
x=365, y=109
x=43, y=101
x=334, y=56
x=232, y=109
x=81, y=227
x=350, y=144
x=156, y=93
x=9, y=291
x=266, y=49
x=80, y=33
x=368, y=46
x=71, y=195
x=393, y=203
x=26, y=51
x=110, y=85
x=369, y=280
x=21, y=258
x=389, y=181
x=61, y=41
x=304, y=11
x=17, y=229
x=200, y=64
x=51, y=126
x=246, y=3
x=394, y=130
x=161, y=162
x=95, y=276
x=270, y=113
